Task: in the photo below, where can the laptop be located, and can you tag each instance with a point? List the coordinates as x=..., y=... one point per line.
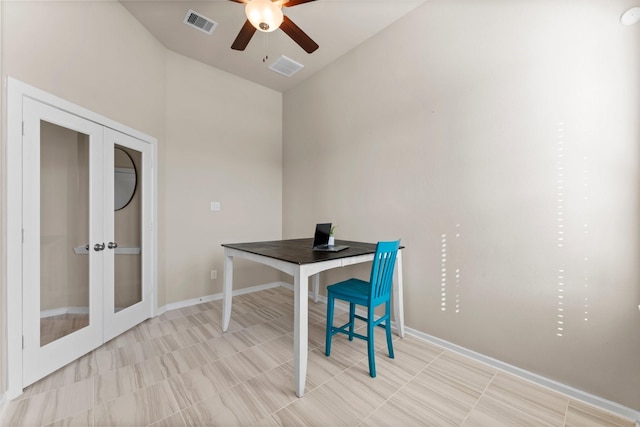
x=321, y=239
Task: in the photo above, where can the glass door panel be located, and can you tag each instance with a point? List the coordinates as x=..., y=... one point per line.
x=128, y=233
x=64, y=231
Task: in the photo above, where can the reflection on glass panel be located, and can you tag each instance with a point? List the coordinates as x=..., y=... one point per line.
x=64, y=225
x=128, y=228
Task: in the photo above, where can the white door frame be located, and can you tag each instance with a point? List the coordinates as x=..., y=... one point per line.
x=16, y=92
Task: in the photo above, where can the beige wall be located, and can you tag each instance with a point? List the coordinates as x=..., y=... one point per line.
x=483, y=133
x=207, y=160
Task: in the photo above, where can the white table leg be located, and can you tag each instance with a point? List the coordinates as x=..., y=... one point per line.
x=300, y=329
x=398, y=301
x=227, y=291
x=315, y=280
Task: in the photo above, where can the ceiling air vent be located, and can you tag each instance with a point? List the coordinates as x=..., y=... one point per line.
x=194, y=19
x=286, y=66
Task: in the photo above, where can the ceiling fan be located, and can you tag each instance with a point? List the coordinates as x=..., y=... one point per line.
x=267, y=16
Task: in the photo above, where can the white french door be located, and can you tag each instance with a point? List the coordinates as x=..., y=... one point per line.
x=87, y=236
x=63, y=205
x=127, y=290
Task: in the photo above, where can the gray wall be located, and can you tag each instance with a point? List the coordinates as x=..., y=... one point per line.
x=499, y=139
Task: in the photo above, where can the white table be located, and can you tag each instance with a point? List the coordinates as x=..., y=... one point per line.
x=295, y=257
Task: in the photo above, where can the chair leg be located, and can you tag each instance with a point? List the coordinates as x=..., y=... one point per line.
x=329, y=333
x=387, y=327
x=371, y=347
x=389, y=339
x=352, y=319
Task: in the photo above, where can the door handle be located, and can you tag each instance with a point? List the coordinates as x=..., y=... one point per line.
x=98, y=247
x=112, y=245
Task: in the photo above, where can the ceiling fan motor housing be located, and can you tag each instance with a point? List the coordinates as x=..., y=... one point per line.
x=264, y=15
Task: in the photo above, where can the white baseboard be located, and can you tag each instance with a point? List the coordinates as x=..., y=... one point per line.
x=571, y=392
x=215, y=297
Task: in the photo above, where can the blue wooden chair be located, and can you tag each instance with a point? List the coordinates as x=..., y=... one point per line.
x=371, y=294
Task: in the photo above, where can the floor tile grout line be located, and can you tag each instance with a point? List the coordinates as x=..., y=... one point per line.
x=319, y=385
x=529, y=416
x=506, y=404
x=222, y=359
x=566, y=413
x=175, y=400
x=495, y=374
x=402, y=387
x=93, y=402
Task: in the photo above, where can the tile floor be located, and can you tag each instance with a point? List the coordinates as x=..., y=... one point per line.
x=178, y=369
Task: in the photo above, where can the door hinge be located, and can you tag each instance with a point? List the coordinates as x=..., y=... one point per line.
x=22, y=128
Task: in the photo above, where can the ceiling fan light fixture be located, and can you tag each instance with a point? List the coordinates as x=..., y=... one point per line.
x=265, y=15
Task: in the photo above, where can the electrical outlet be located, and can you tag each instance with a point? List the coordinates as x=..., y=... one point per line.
x=214, y=274
x=215, y=206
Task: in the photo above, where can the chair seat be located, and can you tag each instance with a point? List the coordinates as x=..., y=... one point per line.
x=352, y=290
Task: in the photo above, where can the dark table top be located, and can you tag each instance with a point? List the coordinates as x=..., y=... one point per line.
x=299, y=251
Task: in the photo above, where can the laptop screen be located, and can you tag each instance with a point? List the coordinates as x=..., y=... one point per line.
x=322, y=234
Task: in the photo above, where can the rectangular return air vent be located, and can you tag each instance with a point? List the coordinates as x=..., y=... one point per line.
x=286, y=66
x=202, y=23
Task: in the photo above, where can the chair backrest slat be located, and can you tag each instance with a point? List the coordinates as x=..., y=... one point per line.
x=382, y=271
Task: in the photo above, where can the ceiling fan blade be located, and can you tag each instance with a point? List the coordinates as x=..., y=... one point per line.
x=291, y=3
x=244, y=36
x=238, y=1
x=298, y=36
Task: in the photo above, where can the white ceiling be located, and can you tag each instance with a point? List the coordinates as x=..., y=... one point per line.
x=336, y=25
